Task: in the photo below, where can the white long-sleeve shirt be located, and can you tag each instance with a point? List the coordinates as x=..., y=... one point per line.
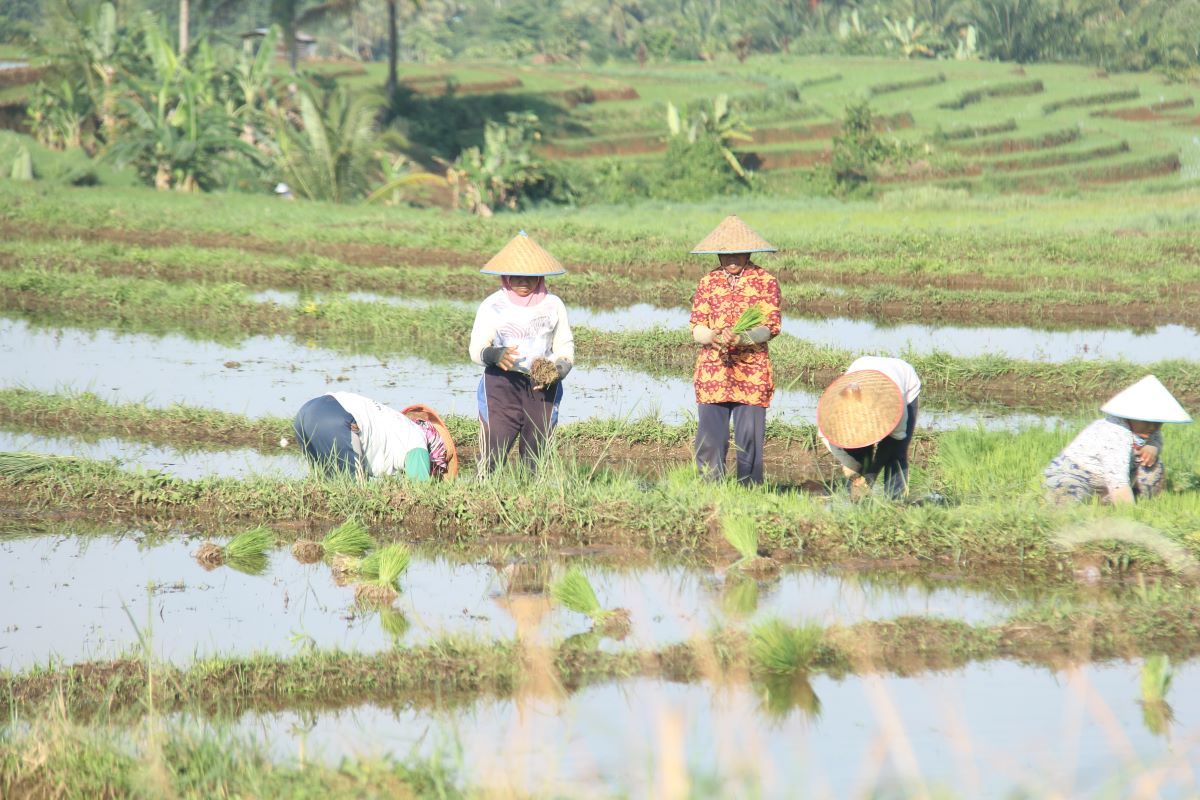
x=386, y=435
x=539, y=331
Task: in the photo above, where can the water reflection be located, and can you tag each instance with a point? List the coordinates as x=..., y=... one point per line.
x=989, y=730
x=65, y=597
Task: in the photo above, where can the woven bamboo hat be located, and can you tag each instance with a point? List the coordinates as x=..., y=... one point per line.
x=1147, y=400
x=859, y=408
x=419, y=411
x=523, y=256
x=733, y=236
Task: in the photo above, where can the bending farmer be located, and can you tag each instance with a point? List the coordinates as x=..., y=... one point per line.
x=346, y=433
x=733, y=369
x=1117, y=458
x=523, y=341
x=866, y=418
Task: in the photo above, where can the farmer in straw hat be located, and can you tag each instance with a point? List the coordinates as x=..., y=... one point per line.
x=1117, y=458
x=866, y=418
x=346, y=433
x=523, y=341
x=733, y=370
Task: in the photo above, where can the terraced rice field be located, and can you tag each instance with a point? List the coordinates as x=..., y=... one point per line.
x=970, y=641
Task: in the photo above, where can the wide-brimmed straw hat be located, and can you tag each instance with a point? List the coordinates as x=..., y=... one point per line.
x=859, y=409
x=1147, y=400
x=523, y=256
x=424, y=412
x=733, y=236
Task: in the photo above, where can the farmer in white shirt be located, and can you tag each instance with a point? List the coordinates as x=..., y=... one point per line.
x=1118, y=458
x=519, y=324
x=866, y=418
x=347, y=433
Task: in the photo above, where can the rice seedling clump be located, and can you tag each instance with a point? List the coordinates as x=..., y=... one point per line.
x=778, y=649
x=574, y=591
x=382, y=570
x=246, y=552
x=543, y=372
x=741, y=532
x=751, y=318
x=350, y=538
x=307, y=551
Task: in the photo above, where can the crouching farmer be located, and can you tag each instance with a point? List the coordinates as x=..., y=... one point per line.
x=343, y=433
x=866, y=418
x=1117, y=458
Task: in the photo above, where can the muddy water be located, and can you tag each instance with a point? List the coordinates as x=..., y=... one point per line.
x=1142, y=347
x=188, y=464
x=66, y=599
x=991, y=730
x=275, y=376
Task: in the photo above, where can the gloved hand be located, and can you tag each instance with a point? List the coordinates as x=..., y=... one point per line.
x=754, y=336
x=563, y=366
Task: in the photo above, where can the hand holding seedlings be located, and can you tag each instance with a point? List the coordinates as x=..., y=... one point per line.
x=508, y=359
x=543, y=372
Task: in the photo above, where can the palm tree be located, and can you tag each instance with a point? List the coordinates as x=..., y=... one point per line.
x=328, y=156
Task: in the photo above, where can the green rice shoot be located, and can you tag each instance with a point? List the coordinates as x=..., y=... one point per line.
x=779, y=649
x=247, y=551
x=573, y=591
x=741, y=531
x=392, y=561
x=350, y=538
x=751, y=318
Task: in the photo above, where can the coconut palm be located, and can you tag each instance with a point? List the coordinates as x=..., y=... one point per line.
x=329, y=154
x=292, y=15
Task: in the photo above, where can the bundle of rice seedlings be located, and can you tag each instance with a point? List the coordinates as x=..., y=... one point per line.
x=741, y=531
x=382, y=570
x=246, y=552
x=543, y=372
x=1156, y=680
x=15, y=466
x=778, y=649
x=349, y=538
x=574, y=591
x=751, y=318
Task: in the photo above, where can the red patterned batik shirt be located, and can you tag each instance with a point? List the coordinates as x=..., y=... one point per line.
x=737, y=374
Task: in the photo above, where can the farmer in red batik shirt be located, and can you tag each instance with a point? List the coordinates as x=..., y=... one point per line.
x=733, y=370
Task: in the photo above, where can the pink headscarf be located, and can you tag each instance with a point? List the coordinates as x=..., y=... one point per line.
x=536, y=296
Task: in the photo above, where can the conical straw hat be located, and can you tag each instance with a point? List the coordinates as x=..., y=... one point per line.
x=523, y=256
x=1147, y=400
x=419, y=411
x=859, y=408
x=733, y=236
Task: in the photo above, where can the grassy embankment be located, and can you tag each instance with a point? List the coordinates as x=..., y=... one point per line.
x=439, y=333
x=1050, y=281
x=992, y=516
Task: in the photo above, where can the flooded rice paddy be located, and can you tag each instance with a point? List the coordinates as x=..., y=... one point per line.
x=998, y=729
x=186, y=464
x=1138, y=346
x=274, y=376
x=74, y=598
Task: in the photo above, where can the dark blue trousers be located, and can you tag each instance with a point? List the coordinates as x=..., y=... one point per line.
x=322, y=429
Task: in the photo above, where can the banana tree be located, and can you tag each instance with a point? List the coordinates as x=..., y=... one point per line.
x=720, y=122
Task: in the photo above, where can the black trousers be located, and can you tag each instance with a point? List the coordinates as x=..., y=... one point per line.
x=712, y=439
x=889, y=456
x=511, y=410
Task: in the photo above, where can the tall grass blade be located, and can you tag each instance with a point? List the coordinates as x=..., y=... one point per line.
x=574, y=591
x=350, y=538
